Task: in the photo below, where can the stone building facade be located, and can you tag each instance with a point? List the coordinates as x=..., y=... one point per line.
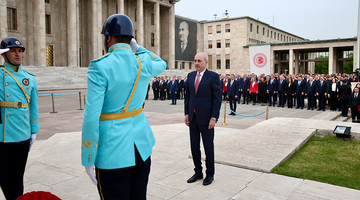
x=224, y=41
x=67, y=32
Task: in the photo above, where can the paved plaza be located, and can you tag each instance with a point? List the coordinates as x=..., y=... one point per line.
x=246, y=151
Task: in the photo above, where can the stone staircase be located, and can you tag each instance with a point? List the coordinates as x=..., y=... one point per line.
x=53, y=78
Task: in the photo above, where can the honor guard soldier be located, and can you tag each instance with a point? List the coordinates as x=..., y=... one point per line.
x=19, y=117
x=116, y=137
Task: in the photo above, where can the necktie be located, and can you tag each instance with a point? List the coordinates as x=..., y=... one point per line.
x=231, y=83
x=197, y=82
x=321, y=83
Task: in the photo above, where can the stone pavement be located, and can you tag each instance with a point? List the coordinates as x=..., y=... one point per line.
x=54, y=162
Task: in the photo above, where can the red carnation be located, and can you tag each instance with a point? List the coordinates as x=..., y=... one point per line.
x=38, y=195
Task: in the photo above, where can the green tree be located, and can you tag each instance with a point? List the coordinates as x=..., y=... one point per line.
x=348, y=65
x=322, y=67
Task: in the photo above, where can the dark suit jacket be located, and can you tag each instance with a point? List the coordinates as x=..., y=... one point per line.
x=163, y=86
x=232, y=91
x=282, y=86
x=321, y=89
x=155, y=85
x=344, y=92
x=310, y=90
x=299, y=88
x=173, y=87
x=354, y=102
x=208, y=99
x=245, y=84
x=290, y=89
x=271, y=87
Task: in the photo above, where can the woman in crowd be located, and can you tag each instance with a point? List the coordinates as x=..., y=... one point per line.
x=224, y=89
x=289, y=92
x=332, y=94
x=253, y=89
x=262, y=91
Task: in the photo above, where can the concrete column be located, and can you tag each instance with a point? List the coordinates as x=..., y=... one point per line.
x=140, y=22
x=39, y=33
x=332, y=60
x=121, y=7
x=157, y=27
x=171, y=62
x=71, y=23
x=3, y=23
x=96, y=39
x=355, y=57
x=296, y=62
x=272, y=62
x=291, y=61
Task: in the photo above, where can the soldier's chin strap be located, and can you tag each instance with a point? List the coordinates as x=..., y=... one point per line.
x=9, y=60
x=106, y=43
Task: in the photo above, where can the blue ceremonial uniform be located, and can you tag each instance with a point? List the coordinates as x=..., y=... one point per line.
x=18, y=123
x=110, y=144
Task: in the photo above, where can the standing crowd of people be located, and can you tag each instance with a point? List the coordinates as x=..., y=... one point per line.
x=318, y=91
x=166, y=88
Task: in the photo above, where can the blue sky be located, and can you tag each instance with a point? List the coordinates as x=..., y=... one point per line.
x=310, y=19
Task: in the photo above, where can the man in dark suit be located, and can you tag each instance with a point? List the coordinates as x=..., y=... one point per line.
x=321, y=92
x=310, y=92
x=162, y=89
x=354, y=103
x=202, y=106
x=245, y=88
x=232, y=89
x=183, y=89
x=281, y=91
x=299, y=92
x=239, y=90
x=344, y=95
x=173, y=87
x=272, y=89
x=155, y=88
x=180, y=86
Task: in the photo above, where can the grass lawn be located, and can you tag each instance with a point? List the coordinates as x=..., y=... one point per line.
x=327, y=160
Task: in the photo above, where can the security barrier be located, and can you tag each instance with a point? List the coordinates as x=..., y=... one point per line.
x=52, y=98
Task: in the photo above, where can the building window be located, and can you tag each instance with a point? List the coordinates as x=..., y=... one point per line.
x=227, y=43
x=135, y=14
x=268, y=33
x=210, y=44
x=135, y=34
x=209, y=29
x=281, y=38
x=182, y=65
x=218, y=44
x=189, y=65
x=227, y=28
x=257, y=29
x=11, y=18
x=48, y=24
x=271, y=34
x=250, y=27
x=218, y=61
x=176, y=64
x=47, y=1
x=227, y=61
x=152, y=19
x=152, y=39
x=218, y=29
x=263, y=31
x=278, y=36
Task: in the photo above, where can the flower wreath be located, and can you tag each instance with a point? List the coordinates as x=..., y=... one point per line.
x=38, y=195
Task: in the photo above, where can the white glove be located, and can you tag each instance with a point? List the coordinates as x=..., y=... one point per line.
x=134, y=45
x=90, y=172
x=32, y=139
